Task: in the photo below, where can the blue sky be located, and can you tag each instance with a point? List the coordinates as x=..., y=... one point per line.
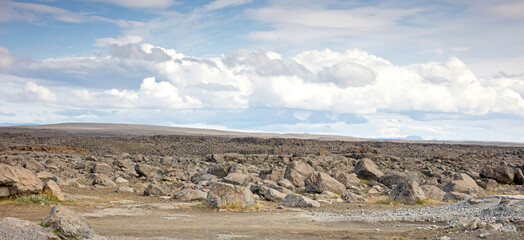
x=450, y=70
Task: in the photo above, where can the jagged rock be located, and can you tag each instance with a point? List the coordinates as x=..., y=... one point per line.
x=69, y=224
x=296, y=200
x=297, y=171
x=101, y=168
x=350, y=197
x=433, y=192
x=190, y=194
x=502, y=174
x=407, y=192
x=46, y=176
x=125, y=189
x=18, y=181
x=155, y=190
x=456, y=196
x=463, y=183
x=102, y=180
x=16, y=229
x=392, y=178
x=225, y=194
x=319, y=182
x=53, y=188
x=487, y=183
x=237, y=178
x=518, y=177
x=149, y=172
x=271, y=194
x=350, y=180
x=367, y=169
x=202, y=176
x=220, y=170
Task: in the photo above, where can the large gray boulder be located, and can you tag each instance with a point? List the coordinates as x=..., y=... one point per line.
x=101, y=168
x=319, y=182
x=271, y=194
x=350, y=180
x=236, y=178
x=225, y=194
x=102, y=180
x=68, y=224
x=220, y=170
x=519, y=177
x=148, y=171
x=16, y=229
x=155, y=190
x=433, y=192
x=462, y=183
x=296, y=200
x=367, y=169
x=190, y=194
x=297, y=171
x=52, y=188
x=407, y=192
x=500, y=173
x=18, y=181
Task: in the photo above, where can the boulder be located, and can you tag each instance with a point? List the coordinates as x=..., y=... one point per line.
x=501, y=173
x=52, y=188
x=271, y=194
x=16, y=229
x=487, y=183
x=367, y=169
x=121, y=180
x=296, y=200
x=149, y=172
x=350, y=197
x=319, y=182
x=463, y=183
x=220, y=170
x=392, y=178
x=350, y=180
x=273, y=175
x=46, y=176
x=18, y=181
x=237, y=178
x=102, y=180
x=407, y=192
x=225, y=194
x=68, y=224
x=155, y=190
x=456, y=196
x=125, y=189
x=433, y=192
x=101, y=168
x=297, y=171
x=189, y=195
x=202, y=176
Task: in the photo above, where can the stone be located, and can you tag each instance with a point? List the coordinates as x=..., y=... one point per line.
x=350, y=180
x=237, y=178
x=407, y=192
x=463, y=183
x=271, y=194
x=501, y=173
x=273, y=175
x=225, y=194
x=155, y=190
x=433, y=192
x=367, y=169
x=392, y=178
x=296, y=200
x=16, y=229
x=297, y=171
x=68, y=224
x=101, y=168
x=46, y=176
x=190, y=194
x=52, y=188
x=319, y=182
x=220, y=170
x=125, y=189
x=121, y=180
x=201, y=177
x=18, y=180
x=350, y=197
x=102, y=180
x=456, y=196
x=487, y=183
x=149, y=172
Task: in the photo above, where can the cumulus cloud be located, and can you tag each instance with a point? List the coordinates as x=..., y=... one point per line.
x=35, y=93
x=6, y=60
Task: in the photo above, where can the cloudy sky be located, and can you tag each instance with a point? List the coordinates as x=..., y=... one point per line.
x=443, y=69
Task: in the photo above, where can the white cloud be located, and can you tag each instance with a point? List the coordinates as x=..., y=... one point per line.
x=123, y=40
x=34, y=92
x=140, y=3
x=6, y=60
x=219, y=4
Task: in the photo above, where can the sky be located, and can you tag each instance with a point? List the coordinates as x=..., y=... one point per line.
x=443, y=69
